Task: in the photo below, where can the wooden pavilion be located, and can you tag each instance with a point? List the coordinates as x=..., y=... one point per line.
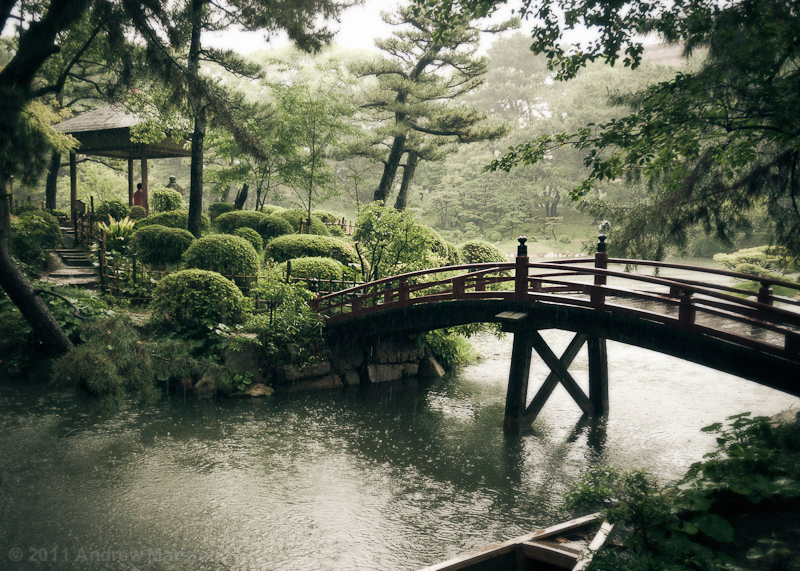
x=106, y=132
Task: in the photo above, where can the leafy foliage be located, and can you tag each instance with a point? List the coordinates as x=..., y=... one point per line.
x=116, y=209
x=137, y=212
x=267, y=225
x=111, y=363
x=765, y=261
x=316, y=268
x=161, y=244
x=716, y=145
x=118, y=233
x=285, y=248
x=31, y=234
x=451, y=348
x=251, y=236
x=173, y=219
x=297, y=217
x=702, y=522
x=480, y=252
x=217, y=208
x=290, y=331
x=223, y=253
x=165, y=200
x=393, y=242
x=193, y=303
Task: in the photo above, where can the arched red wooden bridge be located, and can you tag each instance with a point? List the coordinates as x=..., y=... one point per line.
x=693, y=314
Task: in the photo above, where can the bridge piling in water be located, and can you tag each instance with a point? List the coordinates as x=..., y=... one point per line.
x=518, y=416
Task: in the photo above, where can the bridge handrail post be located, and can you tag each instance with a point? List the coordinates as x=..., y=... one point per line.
x=597, y=295
x=388, y=295
x=459, y=287
x=521, y=269
x=792, y=343
x=403, y=292
x=686, y=311
x=355, y=304
x=765, y=294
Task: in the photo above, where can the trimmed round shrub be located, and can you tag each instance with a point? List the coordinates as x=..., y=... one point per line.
x=326, y=216
x=296, y=216
x=267, y=225
x=114, y=208
x=223, y=253
x=273, y=226
x=271, y=208
x=453, y=257
x=565, y=239
x=216, y=209
x=231, y=221
x=316, y=268
x=291, y=246
x=137, y=212
x=165, y=200
x=33, y=232
x=26, y=207
x=194, y=302
x=438, y=245
x=173, y=219
x=251, y=236
x=336, y=231
x=480, y=252
x=161, y=244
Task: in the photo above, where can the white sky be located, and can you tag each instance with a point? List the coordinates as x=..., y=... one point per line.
x=359, y=27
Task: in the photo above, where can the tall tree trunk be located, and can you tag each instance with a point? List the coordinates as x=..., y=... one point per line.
x=19, y=289
x=408, y=176
x=52, y=181
x=390, y=168
x=241, y=197
x=196, y=170
x=198, y=112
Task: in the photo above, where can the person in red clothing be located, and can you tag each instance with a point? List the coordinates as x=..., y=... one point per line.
x=138, y=199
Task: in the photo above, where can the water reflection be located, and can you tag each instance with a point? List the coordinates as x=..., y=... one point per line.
x=393, y=478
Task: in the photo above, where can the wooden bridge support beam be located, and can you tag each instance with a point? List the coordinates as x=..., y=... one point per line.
x=517, y=415
x=598, y=374
x=517, y=394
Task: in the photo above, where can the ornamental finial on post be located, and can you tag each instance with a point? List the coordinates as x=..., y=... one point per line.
x=522, y=249
x=603, y=228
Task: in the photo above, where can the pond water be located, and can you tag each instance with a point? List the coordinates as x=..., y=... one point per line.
x=394, y=478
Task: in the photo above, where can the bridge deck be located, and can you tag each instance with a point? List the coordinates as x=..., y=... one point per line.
x=699, y=303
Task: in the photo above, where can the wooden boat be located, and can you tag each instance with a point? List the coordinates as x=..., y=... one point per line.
x=567, y=545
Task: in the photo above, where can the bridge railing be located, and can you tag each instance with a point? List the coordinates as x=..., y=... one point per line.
x=705, y=304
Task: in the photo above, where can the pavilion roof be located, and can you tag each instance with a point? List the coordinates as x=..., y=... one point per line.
x=106, y=132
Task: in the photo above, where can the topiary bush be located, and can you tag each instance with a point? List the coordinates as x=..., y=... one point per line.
x=229, y=222
x=273, y=226
x=157, y=244
x=296, y=216
x=173, y=219
x=316, y=268
x=194, y=302
x=114, y=208
x=326, y=216
x=32, y=233
x=137, y=212
x=251, y=236
x=216, y=209
x=271, y=208
x=223, y=253
x=21, y=209
x=291, y=246
x=480, y=252
x=165, y=200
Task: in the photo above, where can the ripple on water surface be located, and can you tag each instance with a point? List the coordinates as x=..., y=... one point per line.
x=392, y=479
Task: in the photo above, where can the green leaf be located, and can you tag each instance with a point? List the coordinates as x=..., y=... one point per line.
x=714, y=526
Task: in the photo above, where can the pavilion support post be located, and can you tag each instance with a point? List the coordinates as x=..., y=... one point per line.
x=145, y=186
x=130, y=182
x=73, y=183
x=517, y=394
x=598, y=374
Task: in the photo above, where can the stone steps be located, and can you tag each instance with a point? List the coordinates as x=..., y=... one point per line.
x=72, y=266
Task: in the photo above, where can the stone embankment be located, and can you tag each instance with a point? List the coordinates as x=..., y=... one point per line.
x=350, y=364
